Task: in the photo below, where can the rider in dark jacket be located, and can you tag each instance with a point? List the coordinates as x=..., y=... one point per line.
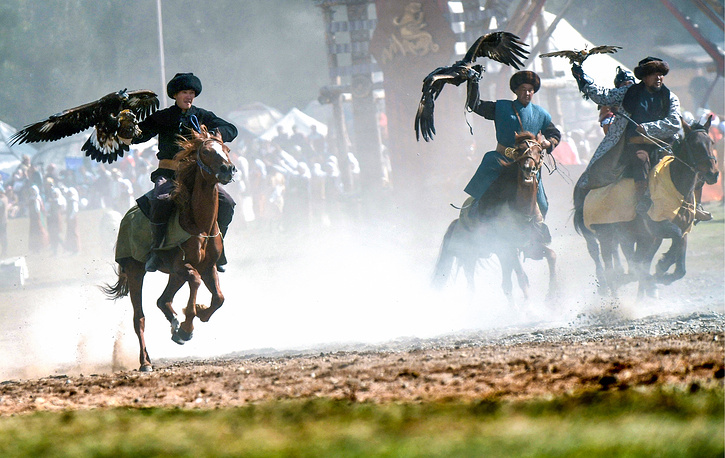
x=180, y=119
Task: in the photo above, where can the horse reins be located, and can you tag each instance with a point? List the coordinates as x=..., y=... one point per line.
x=205, y=168
x=666, y=146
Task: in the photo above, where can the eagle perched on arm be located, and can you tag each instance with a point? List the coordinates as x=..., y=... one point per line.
x=114, y=116
x=504, y=47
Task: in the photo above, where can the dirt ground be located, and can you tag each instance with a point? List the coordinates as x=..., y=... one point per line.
x=677, y=340
x=462, y=371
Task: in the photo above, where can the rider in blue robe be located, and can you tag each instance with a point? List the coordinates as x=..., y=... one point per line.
x=511, y=117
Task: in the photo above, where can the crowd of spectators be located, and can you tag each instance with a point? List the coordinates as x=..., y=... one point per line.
x=288, y=181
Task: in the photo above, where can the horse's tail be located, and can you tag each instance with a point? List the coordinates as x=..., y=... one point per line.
x=444, y=264
x=579, y=225
x=120, y=289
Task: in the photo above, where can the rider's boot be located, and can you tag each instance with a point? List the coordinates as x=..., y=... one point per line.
x=701, y=214
x=641, y=193
x=222, y=261
x=154, y=262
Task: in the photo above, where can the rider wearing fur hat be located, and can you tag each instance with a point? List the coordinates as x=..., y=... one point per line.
x=649, y=109
x=510, y=117
x=180, y=119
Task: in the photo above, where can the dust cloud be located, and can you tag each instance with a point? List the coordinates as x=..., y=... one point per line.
x=350, y=283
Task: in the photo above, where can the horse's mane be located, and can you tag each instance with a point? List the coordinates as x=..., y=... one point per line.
x=186, y=158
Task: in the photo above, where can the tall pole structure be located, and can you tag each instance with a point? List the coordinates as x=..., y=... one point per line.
x=162, y=59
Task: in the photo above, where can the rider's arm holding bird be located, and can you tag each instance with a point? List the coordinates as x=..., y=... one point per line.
x=484, y=108
x=611, y=97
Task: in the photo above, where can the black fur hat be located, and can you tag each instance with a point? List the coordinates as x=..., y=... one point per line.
x=525, y=76
x=650, y=65
x=183, y=81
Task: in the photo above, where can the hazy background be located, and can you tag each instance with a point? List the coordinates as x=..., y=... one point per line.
x=357, y=280
x=57, y=54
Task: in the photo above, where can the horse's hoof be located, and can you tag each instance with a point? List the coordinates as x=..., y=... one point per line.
x=146, y=368
x=175, y=326
x=177, y=339
x=181, y=336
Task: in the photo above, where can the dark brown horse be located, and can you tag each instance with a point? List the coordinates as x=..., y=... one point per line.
x=203, y=163
x=508, y=225
x=691, y=163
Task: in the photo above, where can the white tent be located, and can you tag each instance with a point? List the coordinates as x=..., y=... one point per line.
x=254, y=119
x=297, y=118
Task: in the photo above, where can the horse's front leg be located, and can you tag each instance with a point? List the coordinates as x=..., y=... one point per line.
x=165, y=300
x=468, y=264
x=594, y=252
x=186, y=329
x=211, y=280
x=550, y=256
x=675, y=255
x=521, y=276
x=646, y=249
x=508, y=264
x=609, y=248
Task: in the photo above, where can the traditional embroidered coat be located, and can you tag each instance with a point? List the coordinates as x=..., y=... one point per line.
x=604, y=167
x=534, y=119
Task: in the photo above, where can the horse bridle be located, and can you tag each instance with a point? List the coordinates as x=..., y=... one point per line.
x=690, y=156
x=526, y=154
x=200, y=163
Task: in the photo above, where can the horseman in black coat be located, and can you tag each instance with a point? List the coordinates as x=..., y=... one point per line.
x=180, y=119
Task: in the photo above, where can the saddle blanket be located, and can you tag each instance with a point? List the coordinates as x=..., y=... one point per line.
x=135, y=238
x=666, y=199
x=615, y=203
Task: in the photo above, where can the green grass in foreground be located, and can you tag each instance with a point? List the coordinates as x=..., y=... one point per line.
x=662, y=422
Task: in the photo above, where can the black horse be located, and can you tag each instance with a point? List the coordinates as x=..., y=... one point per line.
x=507, y=226
x=691, y=163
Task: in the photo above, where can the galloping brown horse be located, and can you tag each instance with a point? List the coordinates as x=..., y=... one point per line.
x=506, y=226
x=203, y=163
x=691, y=161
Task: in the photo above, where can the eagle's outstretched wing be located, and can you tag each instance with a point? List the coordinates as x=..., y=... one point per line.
x=604, y=49
x=432, y=86
x=105, y=114
x=502, y=47
x=578, y=57
x=571, y=55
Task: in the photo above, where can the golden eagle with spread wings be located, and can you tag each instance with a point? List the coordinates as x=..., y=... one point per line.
x=114, y=116
x=502, y=47
x=578, y=57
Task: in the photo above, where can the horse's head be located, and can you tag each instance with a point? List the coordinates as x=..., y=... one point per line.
x=697, y=149
x=210, y=154
x=527, y=155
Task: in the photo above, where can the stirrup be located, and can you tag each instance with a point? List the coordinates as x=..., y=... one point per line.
x=701, y=214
